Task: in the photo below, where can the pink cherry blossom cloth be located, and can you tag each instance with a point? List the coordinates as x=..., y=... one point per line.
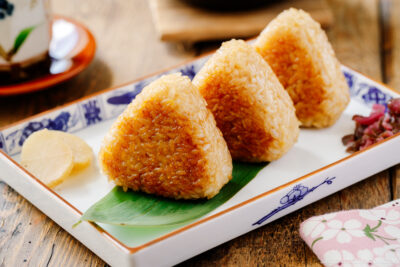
x=356, y=237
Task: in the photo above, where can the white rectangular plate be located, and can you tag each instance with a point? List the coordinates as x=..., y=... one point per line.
x=315, y=167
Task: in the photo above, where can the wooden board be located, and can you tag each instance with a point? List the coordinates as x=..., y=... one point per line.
x=176, y=20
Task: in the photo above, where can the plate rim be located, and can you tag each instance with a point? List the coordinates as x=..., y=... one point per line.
x=132, y=250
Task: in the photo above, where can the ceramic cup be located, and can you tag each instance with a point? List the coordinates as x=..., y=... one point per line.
x=24, y=35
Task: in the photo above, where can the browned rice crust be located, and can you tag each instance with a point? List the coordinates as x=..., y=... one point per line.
x=252, y=109
x=301, y=56
x=166, y=142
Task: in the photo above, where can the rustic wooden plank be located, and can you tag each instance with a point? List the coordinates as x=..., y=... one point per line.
x=176, y=20
x=30, y=238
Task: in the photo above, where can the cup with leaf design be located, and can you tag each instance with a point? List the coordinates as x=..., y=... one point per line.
x=24, y=39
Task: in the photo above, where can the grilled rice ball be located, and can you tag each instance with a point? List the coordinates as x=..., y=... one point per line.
x=167, y=143
x=298, y=51
x=252, y=109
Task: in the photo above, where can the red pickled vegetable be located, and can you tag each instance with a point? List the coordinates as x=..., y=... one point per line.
x=378, y=111
x=375, y=127
x=386, y=124
x=394, y=106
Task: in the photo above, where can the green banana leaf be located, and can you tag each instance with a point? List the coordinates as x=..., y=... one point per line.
x=139, y=209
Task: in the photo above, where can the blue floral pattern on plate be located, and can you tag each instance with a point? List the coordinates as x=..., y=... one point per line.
x=19, y=136
x=368, y=93
x=189, y=71
x=126, y=97
x=2, y=142
x=92, y=112
x=295, y=195
x=374, y=95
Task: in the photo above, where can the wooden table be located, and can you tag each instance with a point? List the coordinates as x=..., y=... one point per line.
x=366, y=37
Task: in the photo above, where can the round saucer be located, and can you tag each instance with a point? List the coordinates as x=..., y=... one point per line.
x=72, y=48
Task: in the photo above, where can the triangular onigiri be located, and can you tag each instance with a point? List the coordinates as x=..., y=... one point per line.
x=252, y=109
x=167, y=143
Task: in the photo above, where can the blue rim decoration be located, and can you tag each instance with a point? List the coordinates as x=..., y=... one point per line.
x=367, y=93
x=18, y=137
x=2, y=143
x=295, y=195
x=127, y=97
x=349, y=78
x=189, y=71
x=110, y=104
x=92, y=111
x=374, y=95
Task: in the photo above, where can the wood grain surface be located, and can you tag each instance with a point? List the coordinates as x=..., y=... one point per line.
x=365, y=36
x=176, y=20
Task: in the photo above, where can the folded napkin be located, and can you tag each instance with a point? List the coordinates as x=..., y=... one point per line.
x=356, y=237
